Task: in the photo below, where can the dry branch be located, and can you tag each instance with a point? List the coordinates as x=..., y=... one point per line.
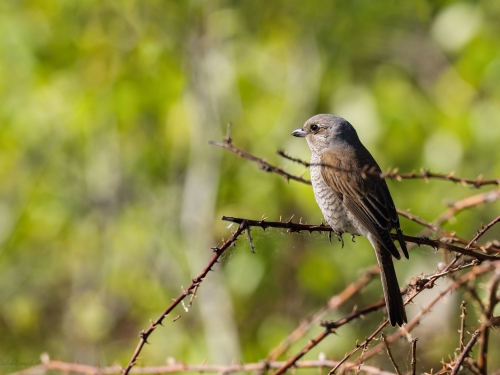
x=334, y=303
x=178, y=367
x=299, y=227
x=465, y=353
x=218, y=251
x=393, y=175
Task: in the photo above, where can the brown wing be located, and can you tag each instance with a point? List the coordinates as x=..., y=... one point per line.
x=367, y=198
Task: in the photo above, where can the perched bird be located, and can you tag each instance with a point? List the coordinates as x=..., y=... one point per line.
x=352, y=201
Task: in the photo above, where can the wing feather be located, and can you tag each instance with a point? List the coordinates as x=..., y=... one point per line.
x=366, y=197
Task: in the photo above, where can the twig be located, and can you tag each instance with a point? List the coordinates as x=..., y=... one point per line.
x=482, y=361
x=414, y=356
x=365, y=348
x=434, y=228
x=144, y=335
x=464, y=353
x=292, y=361
x=429, y=283
x=334, y=303
x=298, y=227
x=468, y=202
x=481, y=232
x=389, y=353
x=330, y=327
x=178, y=367
x=425, y=174
x=473, y=274
x=462, y=325
x=264, y=165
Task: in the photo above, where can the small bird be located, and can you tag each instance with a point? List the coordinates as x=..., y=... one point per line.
x=353, y=201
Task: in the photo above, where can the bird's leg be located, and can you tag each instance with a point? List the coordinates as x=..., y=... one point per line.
x=339, y=238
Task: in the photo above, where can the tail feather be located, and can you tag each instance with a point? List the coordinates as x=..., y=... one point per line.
x=392, y=294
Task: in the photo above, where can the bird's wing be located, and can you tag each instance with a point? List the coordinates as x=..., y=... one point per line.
x=366, y=197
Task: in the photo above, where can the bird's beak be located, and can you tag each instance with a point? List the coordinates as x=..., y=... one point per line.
x=299, y=133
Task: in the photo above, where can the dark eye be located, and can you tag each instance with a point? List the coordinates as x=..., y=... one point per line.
x=314, y=127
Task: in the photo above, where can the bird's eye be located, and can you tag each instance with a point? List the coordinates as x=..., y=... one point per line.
x=314, y=127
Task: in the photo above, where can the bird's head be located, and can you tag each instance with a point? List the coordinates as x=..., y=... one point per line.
x=323, y=132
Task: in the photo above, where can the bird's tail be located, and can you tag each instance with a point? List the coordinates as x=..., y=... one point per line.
x=392, y=294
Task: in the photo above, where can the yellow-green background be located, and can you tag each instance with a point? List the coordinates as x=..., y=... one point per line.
x=110, y=195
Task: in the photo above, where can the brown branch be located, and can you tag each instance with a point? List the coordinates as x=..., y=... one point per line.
x=393, y=175
x=468, y=202
x=264, y=165
x=425, y=174
x=428, y=283
x=434, y=228
x=462, y=325
x=482, y=361
x=334, y=303
x=365, y=348
x=389, y=353
x=473, y=274
x=298, y=227
x=178, y=367
x=218, y=251
x=465, y=353
x=481, y=232
x=332, y=326
x=414, y=356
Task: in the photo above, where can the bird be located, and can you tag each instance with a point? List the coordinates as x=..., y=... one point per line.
x=353, y=199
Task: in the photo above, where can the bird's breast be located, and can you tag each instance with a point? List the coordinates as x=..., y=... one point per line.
x=330, y=204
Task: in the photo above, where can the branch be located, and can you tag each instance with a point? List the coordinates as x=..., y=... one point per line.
x=389, y=353
x=468, y=202
x=472, y=275
x=298, y=227
x=190, y=290
x=465, y=353
x=481, y=232
x=334, y=303
x=425, y=174
x=393, y=175
x=177, y=367
x=482, y=361
x=330, y=327
x=264, y=165
x=429, y=283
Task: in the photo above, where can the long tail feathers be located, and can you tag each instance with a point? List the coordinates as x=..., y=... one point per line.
x=392, y=294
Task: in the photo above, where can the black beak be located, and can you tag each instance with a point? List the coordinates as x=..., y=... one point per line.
x=299, y=133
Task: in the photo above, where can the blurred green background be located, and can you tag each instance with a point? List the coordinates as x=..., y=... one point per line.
x=111, y=196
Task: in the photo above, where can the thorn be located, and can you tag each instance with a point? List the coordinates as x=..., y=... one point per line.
x=144, y=336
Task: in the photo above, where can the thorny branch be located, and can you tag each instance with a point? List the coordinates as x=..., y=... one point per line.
x=389, y=353
x=298, y=227
x=482, y=361
x=425, y=174
x=179, y=367
x=481, y=232
x=393, y=175
x=417, y=286
x=218, y=251
x=330, y=327
x=334, y=303
x=465, y=353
